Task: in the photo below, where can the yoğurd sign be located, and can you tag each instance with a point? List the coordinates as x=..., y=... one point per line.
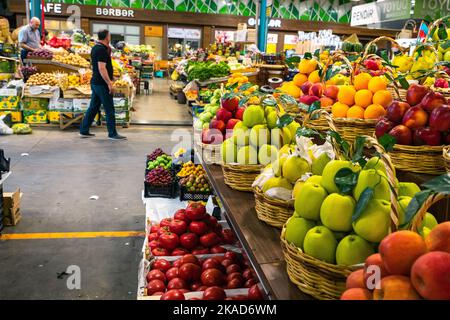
x=424, y=8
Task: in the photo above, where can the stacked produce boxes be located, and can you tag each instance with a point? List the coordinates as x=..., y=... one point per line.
x=9, y=104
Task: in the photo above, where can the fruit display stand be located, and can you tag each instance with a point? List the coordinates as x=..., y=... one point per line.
x=274, y=212
x=50, y=66
x=210, y=152
x=251, y=78
x=418, y=159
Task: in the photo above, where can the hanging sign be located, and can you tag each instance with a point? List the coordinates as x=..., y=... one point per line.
x=375, y=12
x=423, y=8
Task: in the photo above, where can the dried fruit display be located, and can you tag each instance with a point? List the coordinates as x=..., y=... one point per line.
x=40, y=79
x=72, y=59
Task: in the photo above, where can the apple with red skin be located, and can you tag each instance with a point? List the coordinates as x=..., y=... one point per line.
x=331, y=91
x=249, y=283
x=415, y=94
x=305, y=87
x=441, y=83
x=155, y=285
x=173, y=295
x=156, y=274
x=200, y=250
x=190, y=258
x=396, y=110
x=154, y=228
x=161, y=264
x=415, y=118
x=214, y=293
x=228, y=236
x=165, y=222
x=440, y=118
x=218, y=249
x=172, y=273
x=190, y=272
x=239, y=114
x=402, y=134
x=231, y=123
x=372, y=64
x=432, y=100
x=181, y=215
x=179, y=252
x=160, y=252
x=152, y=237
x=316, y=90
x=169, y=241
x=177, y=283
x=212, y=277
x=427, y=136
x=254, y=293
x=198, y=227
x=195, y=211
x=178, y=226
x=383, y=127
x=163, y=230
x=189, y=240
x=308, y=99
x=230, y=104
x=209, y=240
x=215, y=135
x=223, y=115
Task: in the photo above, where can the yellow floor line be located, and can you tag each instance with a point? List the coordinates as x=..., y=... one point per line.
x=71, y=235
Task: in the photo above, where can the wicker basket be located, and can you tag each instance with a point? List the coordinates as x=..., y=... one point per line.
x=419, y=159
x=274, y=212
x=321, y=124
x=349, y=129
x=211, y=153
x=320, y=279
x=241, y=177
x=446, y=156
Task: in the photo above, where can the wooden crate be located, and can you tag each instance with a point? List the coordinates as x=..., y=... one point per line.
x=11, y=207
x=72, y=93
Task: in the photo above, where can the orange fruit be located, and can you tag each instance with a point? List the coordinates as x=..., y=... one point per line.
x=339, y=110
x=382, y=97
x=363, y=98
x=300, y=79
x=307, y=65
x=374, y=111
x=314, y=77
x=346, y=95
x=361, y=81
x=326, y=102
x=355, y=112
x=377, y=84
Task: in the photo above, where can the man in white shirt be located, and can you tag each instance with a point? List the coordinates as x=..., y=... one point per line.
x=30, y=37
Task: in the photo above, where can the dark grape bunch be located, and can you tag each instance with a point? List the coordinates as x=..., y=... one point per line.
x=155, y=154
x=27, y=71
x=40, y=53
x=159, y=177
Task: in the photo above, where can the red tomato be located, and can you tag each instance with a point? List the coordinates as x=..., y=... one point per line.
x=169, y=241
x=155, y=286
x=212, y=277
x=234, y=283
x=233, y=268
x=159, y=252
x=196, y=286
x=178, y=226
x=153, y=244
x=165, y=222
x=200, y=250
x=190, y=258
x=189, y=240
x=163, y=230
x=181, y=215
x=154, y=228
x=254, y=293
x=177, y=283
x=173, y=295
x=209, y=240
x=249, y=283
x=227, y=262
x=156, y=274
x=190, y=272
x=172, y=273
x=161, y=264
x=236, y=275
x=218, y=249
x=231, y=256
x=248, y=274
x=212, y=263
x=179, y=252
x=153, y=236
x=228, y=236
x=214, y=293
x=198, y=227
x=195, y=211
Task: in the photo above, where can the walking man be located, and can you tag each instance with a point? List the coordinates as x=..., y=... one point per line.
x=29, y=38
x=102, y=88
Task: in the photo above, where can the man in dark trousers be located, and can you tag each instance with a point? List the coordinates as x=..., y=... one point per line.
x=102, y=88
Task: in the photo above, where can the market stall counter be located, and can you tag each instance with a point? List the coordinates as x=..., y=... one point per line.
x=260, y=241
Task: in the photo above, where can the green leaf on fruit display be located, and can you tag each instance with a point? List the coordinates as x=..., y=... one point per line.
x=243, y=100
x=269, y=101
x=313, y=107
x=308, y=55
x=284, y=121
x=341, y=143
x=428, y=19
x=345, y=179
x=387, y=141
x=358, y=153
x=307, y=132
x=245, y=86
x=292, y=62
x=442, y=32
x=362, y=203
x=288, y=99
x=440, y=184
x=384, y=55
x=331, y=72
x=414, y=205
x=317, y=53
x=353, y=57
x=445, y=45
x=403, y=82
x=303, y=106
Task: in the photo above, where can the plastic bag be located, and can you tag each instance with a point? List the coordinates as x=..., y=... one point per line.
x=4, y=129
x=21, y=128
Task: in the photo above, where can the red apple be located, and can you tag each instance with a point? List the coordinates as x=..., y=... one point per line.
x=372, y=64
x=383, y=126
x=396, y=111
x=223, y=115
x=402, y=134
x=440, y=118
x=231, y=123
x=309, y=100
x=415, y=94
x=415, y=117
x=316, y=90
x=432, y=100
x=218, y=125
x=239, y=114
x=374, y=261
x=212, y=136
x=441, y=83
x=427, y=136
x=230, y=104
x=305, y=87
x=331, y=91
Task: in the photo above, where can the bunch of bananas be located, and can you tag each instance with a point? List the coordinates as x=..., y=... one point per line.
x=74, y=80
x=120, y=83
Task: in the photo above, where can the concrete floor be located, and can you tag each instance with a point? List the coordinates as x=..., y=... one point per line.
x=57, y=178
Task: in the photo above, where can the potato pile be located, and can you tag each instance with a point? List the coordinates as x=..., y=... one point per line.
x=120, y=83
x=40, y=79
x=72, y=59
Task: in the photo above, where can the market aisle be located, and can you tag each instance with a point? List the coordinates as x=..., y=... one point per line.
x=158, y=108
x=57, y=178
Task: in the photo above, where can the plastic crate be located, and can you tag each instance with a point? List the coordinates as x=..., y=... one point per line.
x=189, y=196
x=160, y=192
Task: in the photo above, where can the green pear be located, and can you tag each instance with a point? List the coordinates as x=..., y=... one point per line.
x=314, y=179
x=320, y=243
x=241, y=136
x=269, y=109
x=280, y=137
x=330, y=171
x=377, y=164
x=374, y=179
x=296, y=229
x=373, y=224
x=259, y=135
x=319, y=164
x=403, y=203
x=277, y=182
x=286, y=150
x=353, y=250
x=272, y=118
x=253, y=115
x=408, y=189
x=247, y=155
x=277, y=166
x=294, y=168
x=309, y=200
x=336, y=212
x=428, y=223
x=240, y=125
x=299, y=184
x=229, y=151
x=293, y=126
x=267, y=154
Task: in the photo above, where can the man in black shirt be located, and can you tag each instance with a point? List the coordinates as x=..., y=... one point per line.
x=102, y=89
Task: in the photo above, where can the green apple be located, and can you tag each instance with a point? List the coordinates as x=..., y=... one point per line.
x=296, y=229
x=330, y=171
x=272, y=118
x=375, y=179
x=320, y=243
x=198, y=125
x=259, y=135
x=428, y=223
x=276, y=182
x=336, y=212
x=267, y=154
x=240, y=125
x=314, y=179
x=408, y=189
x=241, y=136
x=340, y=235
x=294, y=168
x=293, y=126
x=353, y=250
x=229, y=151
x=447, y=56
x=375, y=163
x=319, y=163
x=206, y=125
x=280, y=137
x=286, y=150
x=253, y=115
x=247, y=155
x=309, y=200
x=373, y=224
x=403, y=203
x=277, y=166
x=299, y=184
x=269, y=109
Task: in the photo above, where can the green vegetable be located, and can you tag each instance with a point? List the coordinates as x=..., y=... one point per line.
x=206, y=70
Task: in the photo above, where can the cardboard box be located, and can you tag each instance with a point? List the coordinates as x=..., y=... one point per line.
x=9, y=92
x=120, y=102
x=11, y=207
x=63, y=105
x=53, y=116
x=9, y=102
x=242, y=26
x=35, y=116
x=32, y=103
x=81, y=105
x=16, y=116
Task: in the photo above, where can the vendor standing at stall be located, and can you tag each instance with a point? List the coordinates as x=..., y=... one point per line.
x=29, y=38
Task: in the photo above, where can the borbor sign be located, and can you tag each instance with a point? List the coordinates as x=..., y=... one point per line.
x=111, y=12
